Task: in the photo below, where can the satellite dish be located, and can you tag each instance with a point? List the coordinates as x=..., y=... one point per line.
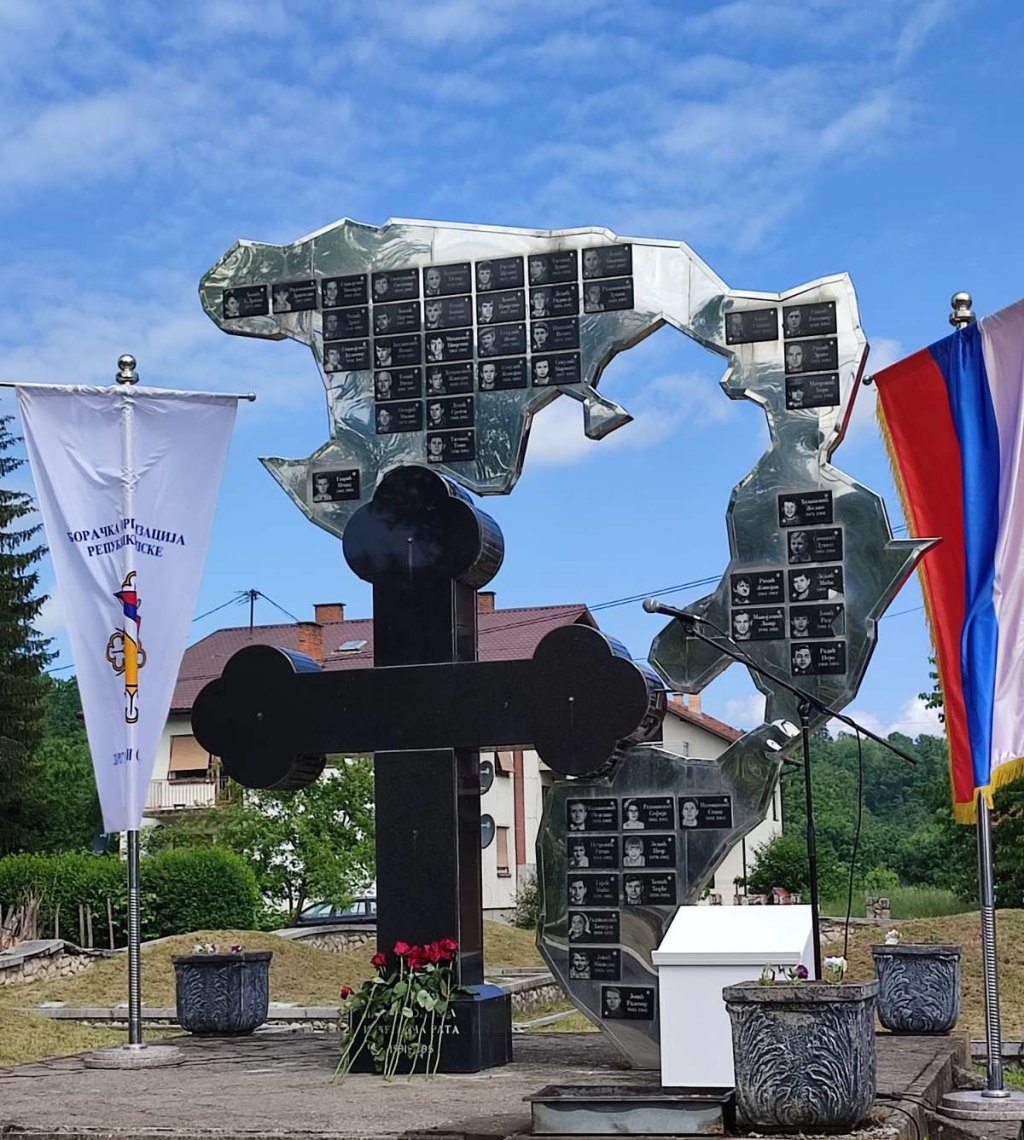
x=486, y=776
x=487, y=830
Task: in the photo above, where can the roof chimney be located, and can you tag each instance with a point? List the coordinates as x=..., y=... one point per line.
x=693, y=703
x=311, y=640
x=485, y=602
x=329, y=611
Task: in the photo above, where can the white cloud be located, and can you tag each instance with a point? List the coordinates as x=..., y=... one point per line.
x=745, y=712
x=863, y=425
x=912, y=719
x=52, y=621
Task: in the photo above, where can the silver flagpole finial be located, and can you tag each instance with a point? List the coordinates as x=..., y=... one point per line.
x=126, y=373
x=962, y=314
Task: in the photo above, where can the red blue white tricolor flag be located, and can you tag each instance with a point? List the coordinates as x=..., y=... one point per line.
x=954, y=420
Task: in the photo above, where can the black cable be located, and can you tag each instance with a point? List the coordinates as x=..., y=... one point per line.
x=260, y=594
x=856, y=842
x=906, y=1112
x=235, y=600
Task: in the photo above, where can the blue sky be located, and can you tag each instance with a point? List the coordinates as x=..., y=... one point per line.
x=784, y=141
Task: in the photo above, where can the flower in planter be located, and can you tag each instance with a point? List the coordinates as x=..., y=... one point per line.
x=214, y=948
x=892, y=937
x=403, y=1013
x=834, y=970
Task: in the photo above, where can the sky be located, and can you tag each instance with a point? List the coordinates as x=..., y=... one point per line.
x=783, y=141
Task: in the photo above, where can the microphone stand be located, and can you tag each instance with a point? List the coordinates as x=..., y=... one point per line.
x=805, y=702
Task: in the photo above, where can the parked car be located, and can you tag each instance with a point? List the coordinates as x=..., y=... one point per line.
x=324, y=913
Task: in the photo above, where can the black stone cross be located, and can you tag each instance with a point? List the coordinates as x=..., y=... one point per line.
x=425, y=710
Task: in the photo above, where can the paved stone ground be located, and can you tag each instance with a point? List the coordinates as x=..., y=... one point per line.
x=277, y=1083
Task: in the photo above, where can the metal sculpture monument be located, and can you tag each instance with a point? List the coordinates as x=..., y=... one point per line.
x=437, y=344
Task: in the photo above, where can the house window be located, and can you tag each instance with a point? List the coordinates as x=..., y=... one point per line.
x=775, y=804
x=501, y=851
x=504, y=763
x=189, y=760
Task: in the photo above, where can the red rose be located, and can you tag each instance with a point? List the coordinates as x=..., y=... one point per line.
x=402, y=948
x=379, y=959
x=346, y=991
x=448, y=945
x=432, y=952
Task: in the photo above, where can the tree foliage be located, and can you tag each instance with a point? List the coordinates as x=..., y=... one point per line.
x=23, y=652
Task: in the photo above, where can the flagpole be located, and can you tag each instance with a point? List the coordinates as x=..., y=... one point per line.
x=127, y=376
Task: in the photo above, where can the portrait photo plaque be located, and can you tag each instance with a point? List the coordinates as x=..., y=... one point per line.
x=447, y=313
x=294, y=296
x=824, y=545
x=817, y=658
x=648, y=851
x=395, y=285
x=345, y=324
x=335, y=486
x=608, y=296
x=444, y=346
x=449, y=379
x=812, y=355
x=452, y=412
x=499, y=375
x=246, y=301
x=594, y=926
x=341, y=292
x=394, y=351
x=816, y=584
x=807, y=508
x=502, y=340
x=607, y=261
x=756, y=587
x=817, y=621
x=593, y=851
x=499, y=273
x=397, y=317
x=647, y=813
x=500, y=308
x=814, y=391
x=346, y=355
x=749, y=326
x=445, y=280
x=818, y=319
x=451, y=446
x=628, y=1003
x=705, y=813
x=592, y=890
x=560, y=368
x=405, y=415
x=556, y=335
x=758, y=624
x=555, y=301
x=553, y=268
x=592, y=815
x=641, y=888
x=398, y=384
x=594, y=965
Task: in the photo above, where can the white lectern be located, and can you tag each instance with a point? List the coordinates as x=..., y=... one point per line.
x=705, y=949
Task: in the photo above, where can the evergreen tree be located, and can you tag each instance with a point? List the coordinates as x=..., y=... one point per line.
x=23, y=653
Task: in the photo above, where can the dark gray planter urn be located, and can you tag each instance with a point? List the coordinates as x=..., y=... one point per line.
x=222, y=995
x=918, y=987
x=804, y=1054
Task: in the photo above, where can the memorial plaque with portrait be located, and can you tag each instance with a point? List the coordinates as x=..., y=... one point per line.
x=816, y=584
x=395, y=285
x=818, y=319
x=394, y=351
x=499, y=273
x=549, y=268
x=451, y=446
x=398, y=384
x=335, y=486
x=816, y=391
x=808, y=508
x=453, y=412
x=449, y=379
x=648, y=851
x=561, y=368
x=586, y=889
x=555, y=336
x=406, y=415
x=294, y=296
x=594, y=964
x=593, y=926
x=500, y=308
x=443, y=346
x=447, y=313
x=341, y=292
x=555, y=301
x=653, y=813
x=342, y=324
x=246, y=301
x=749, y=326
x=812, y=355
x=592, y=815
x=399, y=317
x=607, y=261
x=346, y=355
x=824, y=545
x=607, y=296
x=499, y=375
x=705, y=813
x=628, y=1003
x=593, y=851
x=817, y=621
x=444, y=280
x=501, y=340
x=641, y=888
x=817, y=658
x=758, y=624
x=755, y=587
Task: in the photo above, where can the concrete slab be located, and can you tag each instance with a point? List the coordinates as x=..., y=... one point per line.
x=277, y=1083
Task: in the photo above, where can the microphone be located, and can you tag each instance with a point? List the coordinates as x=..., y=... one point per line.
x=653, y=606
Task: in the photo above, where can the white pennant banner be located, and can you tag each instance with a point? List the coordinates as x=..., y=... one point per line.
x=127, y=480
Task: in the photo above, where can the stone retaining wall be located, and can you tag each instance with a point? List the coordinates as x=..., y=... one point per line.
x=41, y=960
x=332, y=938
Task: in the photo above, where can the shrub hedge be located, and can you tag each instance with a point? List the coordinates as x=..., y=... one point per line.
x=62, y=883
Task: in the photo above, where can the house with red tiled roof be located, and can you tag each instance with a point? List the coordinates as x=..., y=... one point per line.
x=185, y=776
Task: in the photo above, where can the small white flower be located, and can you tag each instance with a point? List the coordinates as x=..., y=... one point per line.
x=892, y=937
x=835, y=969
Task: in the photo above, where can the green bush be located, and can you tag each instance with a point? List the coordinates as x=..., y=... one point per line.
x=64, y=882
x=197, y=888
x=527, y=903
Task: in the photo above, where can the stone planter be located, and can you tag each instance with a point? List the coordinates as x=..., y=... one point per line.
x=222, y=995
x=804, y=1054
x=918, y=987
